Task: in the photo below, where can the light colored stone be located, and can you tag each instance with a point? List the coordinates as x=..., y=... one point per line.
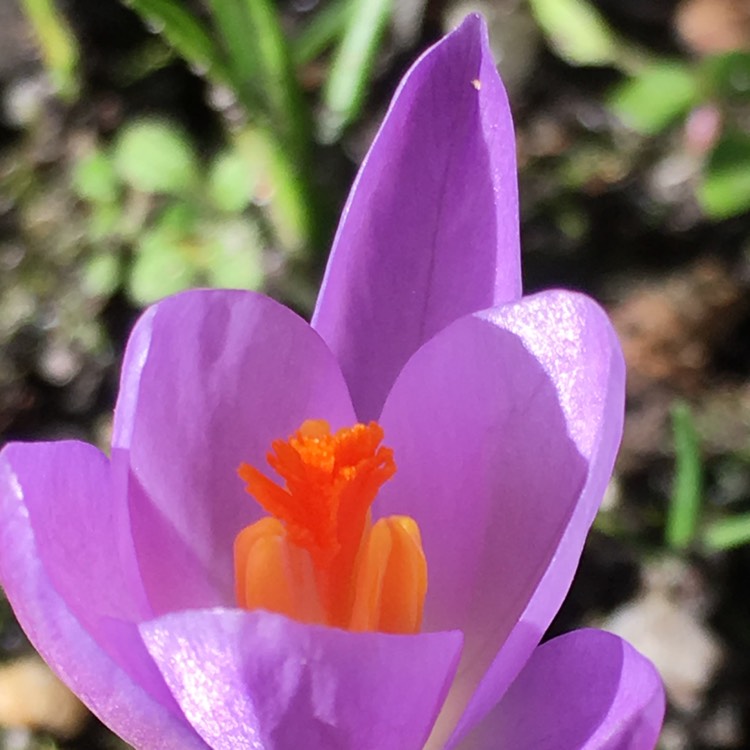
x=669, y=631
x=31, y=697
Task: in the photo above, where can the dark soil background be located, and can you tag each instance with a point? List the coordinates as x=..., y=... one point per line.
x=604, y=210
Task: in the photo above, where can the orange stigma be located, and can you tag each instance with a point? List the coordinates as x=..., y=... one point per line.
x=317, y=557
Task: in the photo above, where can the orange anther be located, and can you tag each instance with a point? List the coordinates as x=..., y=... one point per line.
x=318, y=558
x=391, y=578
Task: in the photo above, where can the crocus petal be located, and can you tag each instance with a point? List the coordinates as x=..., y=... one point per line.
x=504, y=427
x=210, y=379
x=259, y=680
x=70, y=579
x=592, y=398
x=430, y=231
x=587, y=690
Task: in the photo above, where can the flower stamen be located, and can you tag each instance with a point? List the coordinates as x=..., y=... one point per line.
x=318, y=557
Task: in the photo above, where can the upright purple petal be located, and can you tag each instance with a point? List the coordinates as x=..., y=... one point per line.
x=259, y=680
x=430, y=231
x=592, y=397
x=73, y=586
x=587, y=690
x=210, y=379
x=498, y=425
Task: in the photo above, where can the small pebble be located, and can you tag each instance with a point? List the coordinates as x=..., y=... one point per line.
x=668, y=630
x=33, y=698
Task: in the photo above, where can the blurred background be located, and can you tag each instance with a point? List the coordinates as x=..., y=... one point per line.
x=156, y=145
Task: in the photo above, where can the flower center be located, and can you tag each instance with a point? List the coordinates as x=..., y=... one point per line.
x=317, y=557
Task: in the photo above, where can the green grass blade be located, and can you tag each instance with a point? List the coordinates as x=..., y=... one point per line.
x=278, y=81
x=323, y=29
x=58, y=45
x=581, y=35
x=724, y=187
x=352, y=65
x=728, y=532
x=186, y=34
x=656, y=97
x=240, y=46
x=577, y=31
x=687, y=489
x=289, y=206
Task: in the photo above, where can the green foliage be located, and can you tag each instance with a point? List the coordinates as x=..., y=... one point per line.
x=58, y=45
x=684, y=523
x=155, y=157
x=659, y=94
x=231, y=182
x=321, y=32
x=102, y=274
x=233, y=255
x=656, y=97
x=187, y=225
x=95, y=178
x=724, y=189
x=281, y=94
x=662, y=94
x=186, y=35
x=244, y=48
x=726, y=533
x=687, y=489
x=277, y=189
x=352, y=64
x=577, y=31
x=165, y=257
x=241, y=46
x=727, y=76
x=181, y=252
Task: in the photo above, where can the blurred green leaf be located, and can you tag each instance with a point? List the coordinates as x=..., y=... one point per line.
x=166, y=257
x=104, y=221
x=153, y=55
x=239, y=44
x=261, y=63
x=234, y=255
x=158, y=270
x=656, y=97
x=156, y=157
x=592, y=163
x=351, y=67
x=268, y=89
x=94, y=178
x=58, y=45
x=687, y=488
x=231, y=182
x=277, y=76
x=178, y=220
x=727, y=76
x=577, y=31
x=102, y=274
x=186, y=34
x=724, y=189
x=728, y=532
x=321, y=31
x=278, y=190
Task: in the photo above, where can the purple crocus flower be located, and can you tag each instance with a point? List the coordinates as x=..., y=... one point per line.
x=504, y=415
